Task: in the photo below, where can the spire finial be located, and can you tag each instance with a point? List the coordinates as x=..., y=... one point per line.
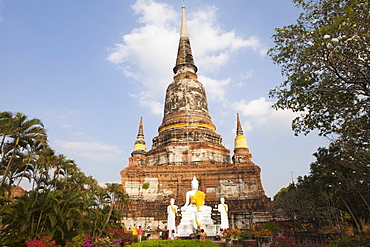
x=140, y=133
x=184, y=27
x=140, y=144
x=239, y=128
x=240, y=140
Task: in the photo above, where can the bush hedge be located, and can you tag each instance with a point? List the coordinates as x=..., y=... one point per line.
x=174, y=243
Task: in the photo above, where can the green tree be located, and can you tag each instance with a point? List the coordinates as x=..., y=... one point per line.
x=18, y=133
x=346, y=181
x=57, y=214
x=63, y=201
x=114, y=195
x=325, y=58
x=297, y=205
x=336, y=190
x=5, y=129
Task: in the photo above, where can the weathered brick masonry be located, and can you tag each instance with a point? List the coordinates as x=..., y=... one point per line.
x=187, y=145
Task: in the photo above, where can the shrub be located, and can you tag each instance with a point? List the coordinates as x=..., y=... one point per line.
x=82, y=239
x=351, y=241
x=145, y=186
x=249, y=235
x=174, y=243
x=102, y=242
x=271, y=227
x=263, y=232
x=282, y=241
x=120, y=235
x=40, y=242
x=232, y=234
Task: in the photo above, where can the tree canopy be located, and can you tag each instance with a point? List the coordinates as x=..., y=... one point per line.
x=325, y=58
x=62, y=202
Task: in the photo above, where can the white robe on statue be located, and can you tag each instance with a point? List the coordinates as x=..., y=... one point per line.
x=223, y=209
x=171, y=211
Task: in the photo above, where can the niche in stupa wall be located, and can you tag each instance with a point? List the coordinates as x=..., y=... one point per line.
x=132, y=188
x=149, y=190
x=236, y=189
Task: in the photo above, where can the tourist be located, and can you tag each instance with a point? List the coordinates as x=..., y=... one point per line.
x=172, y=235
x=147, y=233
x=202, y=235
x=165, y=235
x=134, y=231
x=254, y=228
x=139, y=234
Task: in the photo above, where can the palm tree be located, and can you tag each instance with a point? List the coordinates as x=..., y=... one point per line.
x=114, y=194
x=21, y=133
x=29, y=164
x=5, y=126
x=42, y=168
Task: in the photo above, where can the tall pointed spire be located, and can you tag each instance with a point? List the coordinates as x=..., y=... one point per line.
x=184, y=62
x=184, y=26
x=140, y=133
x=186, y=101
x=186, y=120
x=239, y=129
x=240, y=140
x=140, y=144
x=241, y=151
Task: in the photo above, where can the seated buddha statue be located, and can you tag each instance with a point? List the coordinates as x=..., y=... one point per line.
x=194, y=197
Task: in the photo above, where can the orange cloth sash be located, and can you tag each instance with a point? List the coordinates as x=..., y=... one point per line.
x=224, y=207
x=198, y=199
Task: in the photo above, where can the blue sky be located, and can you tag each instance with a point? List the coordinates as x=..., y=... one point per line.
x=90, y=69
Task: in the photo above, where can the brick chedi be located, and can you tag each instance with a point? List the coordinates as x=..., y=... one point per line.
x=187, y=145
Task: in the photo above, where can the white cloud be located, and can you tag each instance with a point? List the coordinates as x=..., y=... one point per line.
x=247, y=75
x=79, y=133
x=147, y=99
x=93, y=151
x=243, y=77
x=254, y=108
x=260, y=114
x=215, y=88
x=247, y=126
x=148, y=52
x=213, y=46
x=153, y=12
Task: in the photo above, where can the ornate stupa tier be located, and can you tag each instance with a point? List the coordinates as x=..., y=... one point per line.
x=186, y=104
